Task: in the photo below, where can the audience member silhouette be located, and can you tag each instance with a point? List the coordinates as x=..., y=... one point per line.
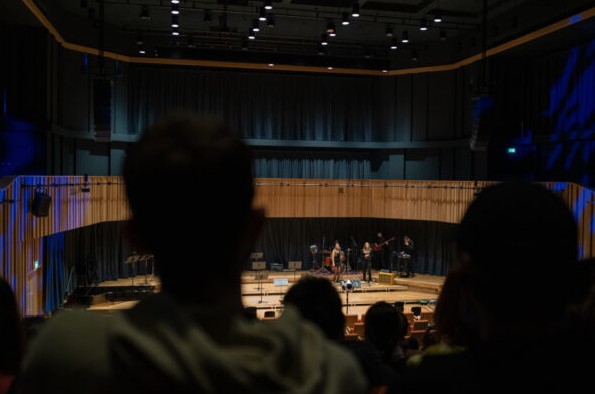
x=12, y=337
x=189, y=180
x=515, y=272
x=319, y=302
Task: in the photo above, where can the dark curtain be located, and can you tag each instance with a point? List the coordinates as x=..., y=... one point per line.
x=260, y=105
x=99, y=253
x=58, y=277
x=316, y=165
x=284, y=240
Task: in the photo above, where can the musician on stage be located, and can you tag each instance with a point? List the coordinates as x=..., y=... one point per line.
x=381, y=251
x=408, y=248
x=367, y=256
x=336, y=261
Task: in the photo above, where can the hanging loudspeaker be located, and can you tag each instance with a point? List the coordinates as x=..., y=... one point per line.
x=41, y=203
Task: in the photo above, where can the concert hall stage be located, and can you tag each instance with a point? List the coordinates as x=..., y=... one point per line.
x=265, y=289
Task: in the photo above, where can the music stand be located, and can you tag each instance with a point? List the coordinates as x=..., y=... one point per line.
x=146, y=257
x=294, y=266
x=258, y=266
x=131, y=260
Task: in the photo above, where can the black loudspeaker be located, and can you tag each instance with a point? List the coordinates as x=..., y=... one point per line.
x=41, y=204
x=102, y=109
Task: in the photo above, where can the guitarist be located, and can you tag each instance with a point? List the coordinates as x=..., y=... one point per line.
x=381, y=251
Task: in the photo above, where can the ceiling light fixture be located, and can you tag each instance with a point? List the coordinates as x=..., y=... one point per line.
x=345, y=19
x=144, y=13
x=175, y=32
x=355, y=10
x=142, y=51
x=388, y=31
x=270, y=20
x=323, y=40
x=255, y=26
x=405, y=36
x=262, y=15
x=175, y=9
x=175, y=21
x=423, y=24
x=330, y=27
x=175, y=1
x=393, y=45
x=437, y=17
x=251, y=35
x=268, y=5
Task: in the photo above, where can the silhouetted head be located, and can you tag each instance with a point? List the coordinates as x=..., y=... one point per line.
x=517, y=246
x=11, y=331
x=385, y=327
x=319, y=302
x=188, y=181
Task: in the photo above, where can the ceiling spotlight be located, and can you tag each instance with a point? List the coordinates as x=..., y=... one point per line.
x=255, y=26
x=262, y=15
x=405, y=36
x=384, y=71
x=423, y=24
x=251, y=35
x=355, y=10
x=345, y=19
x=323, y=40
x=190, y=43
x=175, y=1
x=144, y=13
x=271, y=65
x=139, y=39
x=175, y=9
x=414, y=55
x=270, y=20
x=437, y=17
x=329, y=68
x=388, y=31
x=443, y=35
x=175, y=32
x=142, y=51
x=268, y=5
x=393, y=45
x=330, y=28
x=175, y=21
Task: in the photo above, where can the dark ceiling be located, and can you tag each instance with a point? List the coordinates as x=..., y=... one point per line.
x=293, y=30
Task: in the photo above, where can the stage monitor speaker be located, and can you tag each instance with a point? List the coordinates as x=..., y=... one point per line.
x=41, y=204
x=102, y=109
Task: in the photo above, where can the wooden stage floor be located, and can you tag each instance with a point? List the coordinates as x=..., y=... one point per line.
x=266, y=294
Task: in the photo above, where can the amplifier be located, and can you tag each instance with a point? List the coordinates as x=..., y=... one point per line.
x=386, y=278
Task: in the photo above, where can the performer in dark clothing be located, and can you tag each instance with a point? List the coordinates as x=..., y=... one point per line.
x=408, y=249
x=381, y=251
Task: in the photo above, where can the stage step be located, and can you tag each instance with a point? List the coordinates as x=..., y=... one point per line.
x=92, y=295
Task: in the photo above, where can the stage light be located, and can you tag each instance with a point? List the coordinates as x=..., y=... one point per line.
x=175, y=21
x=423, y=24
x=262, y=16
x=175, y=9
x=255, y=26
x=323, y=40
x=270, y=20
x=268, y=5
x=345, y=19
x=144, y=13
x=437, y=17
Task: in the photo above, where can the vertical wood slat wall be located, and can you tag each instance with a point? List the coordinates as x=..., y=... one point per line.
x=21, y=233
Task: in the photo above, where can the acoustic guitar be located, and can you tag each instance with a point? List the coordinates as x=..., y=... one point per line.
x=378, y=247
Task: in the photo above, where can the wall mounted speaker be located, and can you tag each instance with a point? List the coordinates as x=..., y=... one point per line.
x=41, y=204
